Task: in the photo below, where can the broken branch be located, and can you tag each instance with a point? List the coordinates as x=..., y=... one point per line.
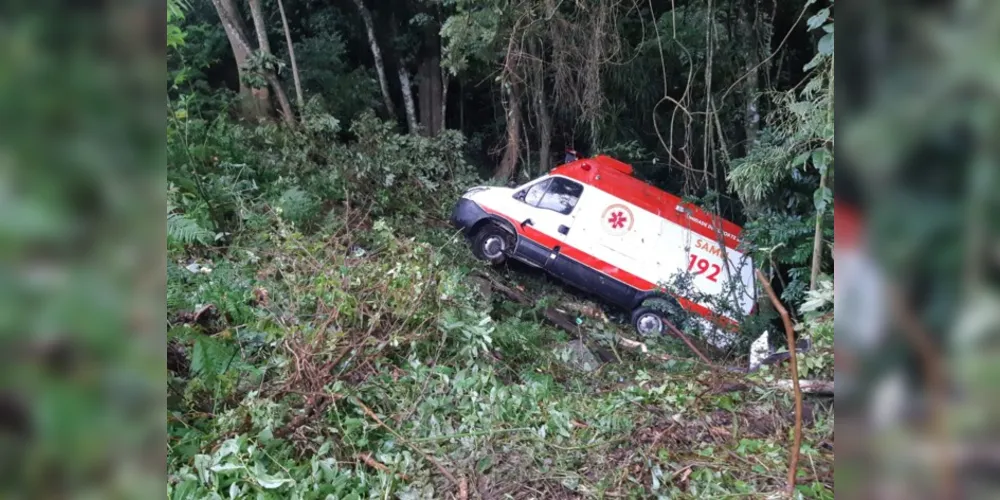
x=806, y=386
x=687, y=341
x=793, y=459
x=371, y=462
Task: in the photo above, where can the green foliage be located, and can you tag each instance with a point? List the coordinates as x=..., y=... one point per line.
x=818, y=325
x=175, y=14
x=784, y=180
x=313, y=278
x=183, y=231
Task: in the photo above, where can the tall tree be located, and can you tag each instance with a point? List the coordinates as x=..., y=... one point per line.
x=405, y=83
x=268, y=56
x=291, y=55
x=511, y=86
x=255, y=102
x=366, y=17
x=431, y=80
x=408, y=105
x=540, y=105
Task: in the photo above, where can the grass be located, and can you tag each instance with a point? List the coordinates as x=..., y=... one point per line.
x=324, y=374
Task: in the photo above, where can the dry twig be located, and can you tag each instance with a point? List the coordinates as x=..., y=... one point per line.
x=371, y=462
x=687, y=341
x=793, y=459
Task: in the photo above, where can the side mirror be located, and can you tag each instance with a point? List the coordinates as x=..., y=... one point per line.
x=527, y=222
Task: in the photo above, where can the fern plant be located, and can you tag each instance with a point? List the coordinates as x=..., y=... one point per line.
x=183, y=232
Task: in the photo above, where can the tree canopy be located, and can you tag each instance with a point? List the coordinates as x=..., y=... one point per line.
x=322, y=313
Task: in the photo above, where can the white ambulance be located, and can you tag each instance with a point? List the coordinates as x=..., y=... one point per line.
x=595, y=226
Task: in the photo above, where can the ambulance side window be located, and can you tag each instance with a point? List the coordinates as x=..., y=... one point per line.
x=532, y=194
x=535, y=192
x=561, y=196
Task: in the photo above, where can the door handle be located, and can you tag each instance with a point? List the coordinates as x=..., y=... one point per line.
x=563, y=229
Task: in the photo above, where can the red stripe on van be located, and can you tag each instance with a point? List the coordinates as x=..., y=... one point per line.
x=607, y=268
x=604, y=173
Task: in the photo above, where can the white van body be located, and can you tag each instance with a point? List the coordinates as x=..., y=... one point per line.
x=595, y=226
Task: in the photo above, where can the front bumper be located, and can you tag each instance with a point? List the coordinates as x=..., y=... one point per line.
x=466, y=214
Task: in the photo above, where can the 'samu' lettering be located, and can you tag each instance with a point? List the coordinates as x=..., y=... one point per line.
x=708, y=247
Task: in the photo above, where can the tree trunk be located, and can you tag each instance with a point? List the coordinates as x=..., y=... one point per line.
x=424, y=99
x=818, y=238
x=265, y=47
x=508, y=165
x=444, y=98
x=510, y=83
x=430, y=94
x=544, y=135
x=542, y=113
x=751, y=113
x=383, y=82
x=254, y=103
x=411, y=108
x=259, y=27
x=286, y=107
x=291, y=55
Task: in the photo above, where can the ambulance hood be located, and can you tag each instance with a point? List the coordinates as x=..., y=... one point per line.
x=469, y=193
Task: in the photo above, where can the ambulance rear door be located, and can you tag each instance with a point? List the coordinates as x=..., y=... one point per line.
x=715, y=271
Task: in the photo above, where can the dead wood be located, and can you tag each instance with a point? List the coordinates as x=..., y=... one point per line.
x=793, y=459
x=371, y=462
x=551, y=314
x=676, y=331
x=806, y=386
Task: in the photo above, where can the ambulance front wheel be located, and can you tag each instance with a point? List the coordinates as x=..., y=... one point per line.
x=490, y=244
x=647, y=321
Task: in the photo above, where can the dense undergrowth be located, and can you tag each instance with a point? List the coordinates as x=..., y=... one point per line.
x=326, y=341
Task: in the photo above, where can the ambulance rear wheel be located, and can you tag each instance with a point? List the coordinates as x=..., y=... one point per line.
x=490, y=244
x=648, y=321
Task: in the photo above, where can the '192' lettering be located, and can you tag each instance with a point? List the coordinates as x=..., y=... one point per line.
x=702, y=266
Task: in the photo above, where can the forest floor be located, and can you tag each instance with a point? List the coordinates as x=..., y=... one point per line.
x=377, y=359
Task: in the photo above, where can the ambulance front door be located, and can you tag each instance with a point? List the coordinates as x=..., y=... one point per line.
x=548, y=219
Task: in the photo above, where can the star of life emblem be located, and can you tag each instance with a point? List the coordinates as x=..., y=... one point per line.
x=617, y=220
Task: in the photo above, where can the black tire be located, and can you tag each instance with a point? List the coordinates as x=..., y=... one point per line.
x=648, y=321
x=491, y=244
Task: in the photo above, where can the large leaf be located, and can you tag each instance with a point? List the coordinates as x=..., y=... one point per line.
x=825, y=45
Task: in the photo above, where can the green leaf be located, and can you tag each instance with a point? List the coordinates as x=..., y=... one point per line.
x=826, y=44
x=270, y=483
x=822, y=197
x=209, y=357
x=817, y=20
x=225, y=467
x=801, y=159
x=821, y=159
x=484, y=464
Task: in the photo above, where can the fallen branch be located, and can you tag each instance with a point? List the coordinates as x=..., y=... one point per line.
x=551, y=314
x=371, y=462
x=822, y=387
x=368, y=411
x=806, y=386
x=687, y=341
x=793, y=460
x=641, y=347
